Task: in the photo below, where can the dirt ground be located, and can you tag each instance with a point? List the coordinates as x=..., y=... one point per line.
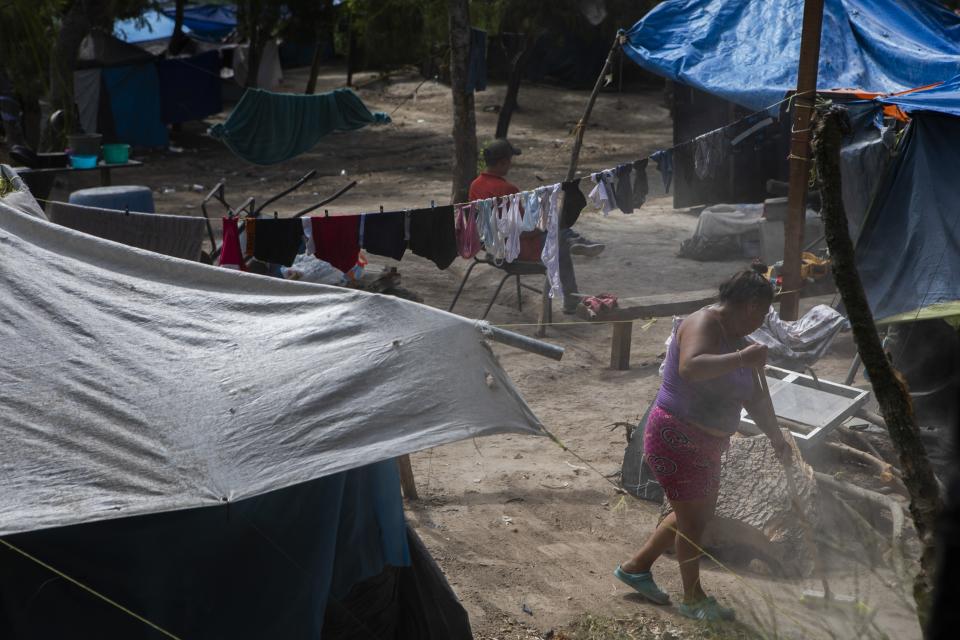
x=527, y=533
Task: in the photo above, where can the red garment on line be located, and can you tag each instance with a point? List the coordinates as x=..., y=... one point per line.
x=337, y=240
x=468, y=236
x=231, y=256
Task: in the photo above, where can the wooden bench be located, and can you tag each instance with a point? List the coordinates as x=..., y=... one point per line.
x=656, y=306
x=664, y=305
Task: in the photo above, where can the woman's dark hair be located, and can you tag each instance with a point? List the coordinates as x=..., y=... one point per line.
x=748, y=285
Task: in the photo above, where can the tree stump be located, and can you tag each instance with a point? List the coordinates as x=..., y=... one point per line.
x=756, y=517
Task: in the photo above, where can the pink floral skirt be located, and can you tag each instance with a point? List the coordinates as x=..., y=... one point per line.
x=684, y=459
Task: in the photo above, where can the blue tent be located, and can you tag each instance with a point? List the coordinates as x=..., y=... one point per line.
x=908, y=253
x=151, y=25
x=943, y=98
x=208, y=21
x=747, y=51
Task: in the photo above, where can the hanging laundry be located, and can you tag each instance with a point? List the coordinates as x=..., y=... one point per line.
x=544, y=194
x=384, y=234
x=530, y=210
x=231, y=256
x=509, y=225
x=550, y=255
x=710, y=153
x=485, y=223
x=477, y=61
x=248, y=236
x=178, y=236
x=310, y=248
x=531, y=237
x=623, y=187
x=267, y=127
x=641, y=187
x=432, y=235
x=337, y=240
x=664, y=160
x=278, y=240
x=602, y=195
x=573, y=203
x=468, y=237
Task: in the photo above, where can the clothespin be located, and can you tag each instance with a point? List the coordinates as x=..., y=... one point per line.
x=274, y=215
x=326, y=214
x=432, y=204
x=126, y=211
x=381, y=208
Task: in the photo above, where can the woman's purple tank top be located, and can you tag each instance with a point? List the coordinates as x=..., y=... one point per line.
x=714, y=403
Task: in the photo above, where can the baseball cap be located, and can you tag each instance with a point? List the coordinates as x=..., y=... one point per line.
x=498, y=149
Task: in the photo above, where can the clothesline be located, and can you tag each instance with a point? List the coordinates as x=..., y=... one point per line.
x=442, y=233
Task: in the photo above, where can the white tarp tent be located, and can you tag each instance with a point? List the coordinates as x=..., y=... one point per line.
x=135, y=383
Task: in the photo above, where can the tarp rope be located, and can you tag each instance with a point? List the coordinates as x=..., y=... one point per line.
x=88, y=589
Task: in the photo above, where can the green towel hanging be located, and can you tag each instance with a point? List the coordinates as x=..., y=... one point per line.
x=267, y=127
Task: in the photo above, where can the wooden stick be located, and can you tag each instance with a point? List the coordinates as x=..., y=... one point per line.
x=896, y=512
x=406, y=478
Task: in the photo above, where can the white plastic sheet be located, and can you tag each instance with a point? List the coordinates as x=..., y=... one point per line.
x=135, y=383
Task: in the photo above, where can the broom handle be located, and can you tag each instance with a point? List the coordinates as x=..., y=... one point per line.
x=795, y=499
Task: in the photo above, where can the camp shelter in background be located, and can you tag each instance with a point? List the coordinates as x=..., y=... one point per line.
x=728, y=58
x=228, y=435
x=151, y=30
x=908, y=252
x=129, y=95
x=212, y=22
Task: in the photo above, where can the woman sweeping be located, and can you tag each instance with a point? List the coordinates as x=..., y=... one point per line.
x=709, y=376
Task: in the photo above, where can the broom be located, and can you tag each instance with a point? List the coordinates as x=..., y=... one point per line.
x=809, y=596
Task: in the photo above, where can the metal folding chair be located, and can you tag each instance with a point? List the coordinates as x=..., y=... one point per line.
x=511, y=270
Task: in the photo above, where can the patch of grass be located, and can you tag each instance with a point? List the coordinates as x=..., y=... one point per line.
x=649, y=627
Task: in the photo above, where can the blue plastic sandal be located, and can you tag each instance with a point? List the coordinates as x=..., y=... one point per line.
x=643, y=584
x=707, y=610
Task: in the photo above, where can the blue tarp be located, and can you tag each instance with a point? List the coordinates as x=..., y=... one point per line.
x=189, y=87
x=944, y=98
x=134, y=93
x=151, y=25
x=746, y=51
x=267, y=127
x=210, y=21
x=264, y=567
x=908, y=253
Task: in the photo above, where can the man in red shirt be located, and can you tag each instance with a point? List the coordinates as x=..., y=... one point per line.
x=492, y=183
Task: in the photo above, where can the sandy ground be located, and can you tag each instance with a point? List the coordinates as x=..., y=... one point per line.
x=527, y=533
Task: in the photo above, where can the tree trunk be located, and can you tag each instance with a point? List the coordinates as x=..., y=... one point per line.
x=351, y=53
x=517, y=67
x=464, y=118
x=888, y=386
x=177, y=40
x=314, y=68
x=323, y=33
x=74, y=27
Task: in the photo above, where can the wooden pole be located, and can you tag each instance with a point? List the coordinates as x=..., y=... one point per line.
x=888, y=386
x=546, y=306
x=800, y=157
x=582, y=124
x=407, y=483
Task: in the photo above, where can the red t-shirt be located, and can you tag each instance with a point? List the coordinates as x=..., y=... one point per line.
x=488, y=185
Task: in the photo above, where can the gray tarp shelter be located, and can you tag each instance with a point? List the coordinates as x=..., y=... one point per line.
x=207, y=447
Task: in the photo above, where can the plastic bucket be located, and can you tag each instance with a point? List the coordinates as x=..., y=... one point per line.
x=83, y=162
x=84, y=144
x=116, y=153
